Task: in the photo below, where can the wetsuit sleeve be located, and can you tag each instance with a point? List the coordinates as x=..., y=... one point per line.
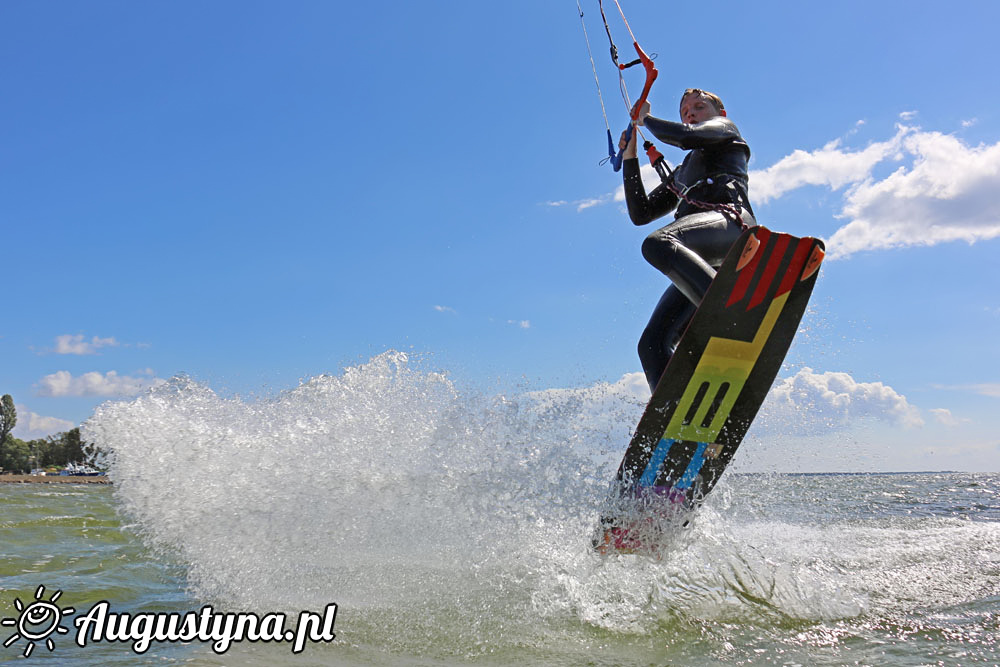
x=643, y=208
x=701, y=135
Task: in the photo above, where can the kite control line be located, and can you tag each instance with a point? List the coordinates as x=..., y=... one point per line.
x=651, y=74
x=604, y=112
x=646, y=61
x=655, y=157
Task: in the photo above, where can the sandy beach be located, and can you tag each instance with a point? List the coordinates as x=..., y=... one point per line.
x=53, y=479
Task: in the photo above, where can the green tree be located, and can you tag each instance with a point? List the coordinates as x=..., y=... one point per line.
x=16, y=456
x=53, y=451
x=8, y=420
x=72, y=446
x=44, y=451
x=63, y=448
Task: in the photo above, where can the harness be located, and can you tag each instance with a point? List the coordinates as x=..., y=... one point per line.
x=729, y=210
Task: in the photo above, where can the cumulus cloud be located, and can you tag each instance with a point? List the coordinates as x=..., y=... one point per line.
x=944, y=190
x=77, y=344
x=808, y=403
x=62, y=383
x=31, y=425
x=812, y=403
x=832, y=166
x=947, y=194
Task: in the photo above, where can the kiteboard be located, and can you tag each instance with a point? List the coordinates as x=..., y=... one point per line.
x=714, y=385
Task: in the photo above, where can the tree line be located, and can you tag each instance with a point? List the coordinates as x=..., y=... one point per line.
x=21, y=456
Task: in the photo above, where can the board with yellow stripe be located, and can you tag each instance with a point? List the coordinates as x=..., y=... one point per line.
x=714, y=385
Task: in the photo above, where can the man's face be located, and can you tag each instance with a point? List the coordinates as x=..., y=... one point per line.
x=697, y=109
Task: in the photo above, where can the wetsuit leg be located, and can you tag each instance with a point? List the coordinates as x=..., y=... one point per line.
x=660, y=338
x=688, y=249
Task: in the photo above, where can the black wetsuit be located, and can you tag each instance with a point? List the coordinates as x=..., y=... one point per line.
x=689, y=249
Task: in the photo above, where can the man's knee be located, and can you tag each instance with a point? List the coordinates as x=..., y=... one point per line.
x=659, y=249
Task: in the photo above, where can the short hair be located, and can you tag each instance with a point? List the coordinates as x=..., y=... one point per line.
x=711, y=97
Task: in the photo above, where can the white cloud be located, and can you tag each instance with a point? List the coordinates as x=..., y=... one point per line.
x=445, y=309
x=807, y=403
x=523, y=324
x=650, y=180
x=947, y=194
x=589, y=203
x=811, y=403
x=944, y=416
x=991, y=389
x=62, y=383
x=31, y=425
x=943, y=191
x=76, y=344
x=831, y=165
x=833, y=407
x=583, y=204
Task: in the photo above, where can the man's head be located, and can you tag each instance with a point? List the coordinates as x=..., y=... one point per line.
x=699, y=105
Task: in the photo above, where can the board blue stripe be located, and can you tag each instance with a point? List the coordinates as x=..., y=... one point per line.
x=693, y=468
x=655, y=461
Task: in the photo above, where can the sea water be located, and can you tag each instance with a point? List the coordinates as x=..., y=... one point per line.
x=454, y=528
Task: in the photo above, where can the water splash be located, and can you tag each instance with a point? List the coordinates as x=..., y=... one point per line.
x=460, y=522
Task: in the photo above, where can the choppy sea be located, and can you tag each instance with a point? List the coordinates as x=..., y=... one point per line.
x=453, y=529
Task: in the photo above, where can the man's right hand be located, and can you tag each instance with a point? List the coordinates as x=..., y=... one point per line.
x=643, y=112
x=629, y=146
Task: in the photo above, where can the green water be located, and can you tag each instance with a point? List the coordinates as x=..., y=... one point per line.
x=812, y=570
x=69, y=537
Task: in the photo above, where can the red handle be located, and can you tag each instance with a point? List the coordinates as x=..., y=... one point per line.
x=651, y=75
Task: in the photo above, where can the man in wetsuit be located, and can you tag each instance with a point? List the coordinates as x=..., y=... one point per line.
x=709, y=192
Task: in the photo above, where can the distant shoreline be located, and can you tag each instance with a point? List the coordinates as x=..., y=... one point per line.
x=53, y=479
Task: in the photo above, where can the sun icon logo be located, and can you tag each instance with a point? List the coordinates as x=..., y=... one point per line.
x=38, y=621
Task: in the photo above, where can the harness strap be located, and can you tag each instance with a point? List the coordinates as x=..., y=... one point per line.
x=666, y=176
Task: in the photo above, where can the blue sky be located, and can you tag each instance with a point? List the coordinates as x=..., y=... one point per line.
x=254, y=193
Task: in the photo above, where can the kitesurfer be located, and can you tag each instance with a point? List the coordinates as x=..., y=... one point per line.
x=709, y=192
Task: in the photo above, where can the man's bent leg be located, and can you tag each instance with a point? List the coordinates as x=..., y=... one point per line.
x=660, y=338
x=688, y=249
